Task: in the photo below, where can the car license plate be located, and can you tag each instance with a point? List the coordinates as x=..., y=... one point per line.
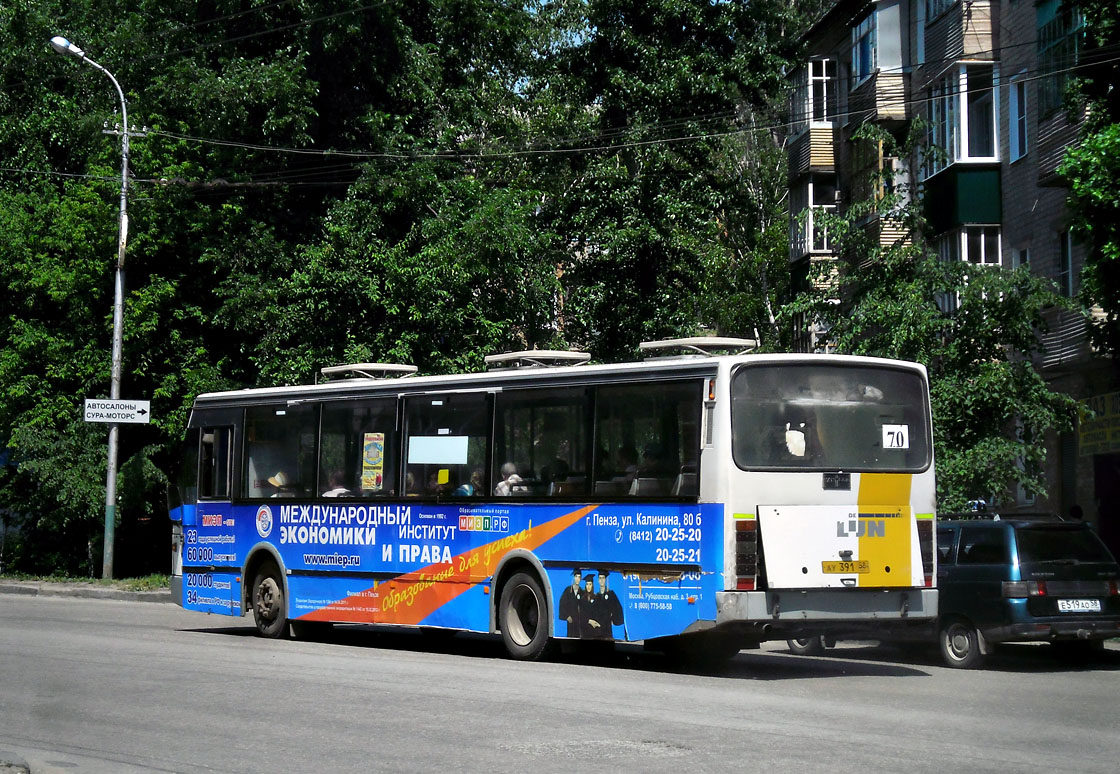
x=1079, y=605
x=846, y=568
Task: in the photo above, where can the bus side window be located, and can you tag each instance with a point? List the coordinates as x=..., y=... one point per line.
x=280, y=451
x=214, y=463
x=447, y=445
x=648, y=439
x=358, y=449
x=541, y=442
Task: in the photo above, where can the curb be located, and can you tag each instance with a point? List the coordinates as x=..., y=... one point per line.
x=87, y=591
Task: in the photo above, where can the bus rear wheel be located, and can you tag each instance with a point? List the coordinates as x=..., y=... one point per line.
x=806, y=646
x=523, y=618
x=270, y=609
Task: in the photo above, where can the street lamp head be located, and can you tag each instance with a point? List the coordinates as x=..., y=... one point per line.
x=64, y=46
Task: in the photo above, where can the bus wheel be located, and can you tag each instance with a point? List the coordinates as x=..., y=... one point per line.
x=269, y=607
x=806, y=646
x=523, y=618
x=960, y=644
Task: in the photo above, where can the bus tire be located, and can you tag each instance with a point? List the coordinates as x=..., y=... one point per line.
x=960, y=644
x=523, y=618
x=806, y=646
x=270, y=609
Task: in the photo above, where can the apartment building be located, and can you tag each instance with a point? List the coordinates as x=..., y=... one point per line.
x=988, y=78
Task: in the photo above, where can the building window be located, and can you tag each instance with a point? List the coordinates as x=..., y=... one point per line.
x=813, y=100
x=1017, y=110
x=979, y=245
x=979, y=113
x=808, y=230
x=1061, y=37
x=1022, y=258
x=959, y=129
x=864, y=50
x=935, y=8
x=1065, y=264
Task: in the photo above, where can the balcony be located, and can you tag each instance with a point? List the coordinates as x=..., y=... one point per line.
x=812, y=151
x=880, y=99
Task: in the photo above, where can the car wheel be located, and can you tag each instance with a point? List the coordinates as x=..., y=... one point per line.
x=960, y=644
x=806, y=646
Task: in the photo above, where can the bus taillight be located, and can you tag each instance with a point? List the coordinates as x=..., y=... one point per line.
x=746, y=554
x=925, y=544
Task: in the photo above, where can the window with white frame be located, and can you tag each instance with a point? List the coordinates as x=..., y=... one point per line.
x=813, y=100
x=961, y=129
x=808, y=229
x=979, y=245
x=1017, y=117
x=864, y=53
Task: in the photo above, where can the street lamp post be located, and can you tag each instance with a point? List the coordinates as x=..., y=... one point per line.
x=64, y=46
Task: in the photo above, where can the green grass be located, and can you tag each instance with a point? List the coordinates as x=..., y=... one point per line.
x=146, y=583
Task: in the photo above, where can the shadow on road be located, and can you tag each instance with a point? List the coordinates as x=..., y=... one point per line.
x=763, y=664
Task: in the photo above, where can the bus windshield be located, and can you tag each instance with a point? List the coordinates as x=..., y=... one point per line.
x=829, y=417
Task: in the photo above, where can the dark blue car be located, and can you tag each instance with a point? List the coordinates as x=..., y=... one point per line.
x=1014, y=580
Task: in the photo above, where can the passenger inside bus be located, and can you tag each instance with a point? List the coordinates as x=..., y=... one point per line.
x=337, y=485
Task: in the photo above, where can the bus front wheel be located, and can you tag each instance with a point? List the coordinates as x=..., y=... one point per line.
x=270, y=609
x=523, y=618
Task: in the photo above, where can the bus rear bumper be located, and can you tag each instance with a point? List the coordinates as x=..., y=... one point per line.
x=785, y=611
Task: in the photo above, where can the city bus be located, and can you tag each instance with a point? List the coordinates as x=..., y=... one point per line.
x=701, y=500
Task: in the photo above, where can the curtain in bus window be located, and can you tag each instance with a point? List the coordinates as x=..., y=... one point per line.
x=647, y=439
x=829, y=417
x=280, y=451
x=447, y=445
x=358, y=449
x=541, y=443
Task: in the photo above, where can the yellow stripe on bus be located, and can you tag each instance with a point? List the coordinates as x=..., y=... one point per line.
x=884, y=507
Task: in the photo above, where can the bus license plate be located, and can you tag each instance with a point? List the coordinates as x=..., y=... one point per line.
x=1079, y=605
x=846, y=568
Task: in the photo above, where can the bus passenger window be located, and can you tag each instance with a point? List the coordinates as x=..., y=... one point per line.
x=648, y=440
x=280, y=443
x=541, y=442
x=447, y=445
x=358, y=449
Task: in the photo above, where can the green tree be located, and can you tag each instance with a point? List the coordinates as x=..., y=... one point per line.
x=1092, y=170
x=975, y=328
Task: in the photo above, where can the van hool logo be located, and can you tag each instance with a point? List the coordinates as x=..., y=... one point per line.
x=264, y=521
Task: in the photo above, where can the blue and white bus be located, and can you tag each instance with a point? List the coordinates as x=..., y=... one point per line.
x=699, y=502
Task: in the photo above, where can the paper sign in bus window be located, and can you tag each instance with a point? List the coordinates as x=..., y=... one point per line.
x=437, y=450
x=896, y=436
x=373, y=461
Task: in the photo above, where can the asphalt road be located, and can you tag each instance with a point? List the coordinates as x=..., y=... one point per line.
x=97, y=686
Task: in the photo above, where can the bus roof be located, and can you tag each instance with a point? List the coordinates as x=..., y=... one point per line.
x=656, y=367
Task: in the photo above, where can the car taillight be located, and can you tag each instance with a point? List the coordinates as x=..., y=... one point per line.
x=746, y=554
x=1024, y=589
x=1113, y=588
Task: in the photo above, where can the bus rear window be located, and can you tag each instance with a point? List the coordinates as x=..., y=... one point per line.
x=829, y=417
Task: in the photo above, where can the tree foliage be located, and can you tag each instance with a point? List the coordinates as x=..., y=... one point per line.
x=1092, y=170
x=330, y=180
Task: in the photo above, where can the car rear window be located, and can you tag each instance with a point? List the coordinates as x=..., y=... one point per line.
x=1038, y=544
